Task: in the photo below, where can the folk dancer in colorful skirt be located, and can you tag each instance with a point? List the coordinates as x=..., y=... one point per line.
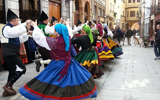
x=105, y=53
x=63, y=76
x=87, y=57
x=72, y=51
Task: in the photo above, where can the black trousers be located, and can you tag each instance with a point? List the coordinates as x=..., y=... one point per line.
x=44, y=54
x=12, y=62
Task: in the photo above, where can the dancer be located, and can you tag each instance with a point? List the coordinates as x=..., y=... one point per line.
x=64, y=78
x=72, y=51
x=12, y=35
x=87, y=57
x=47, y=31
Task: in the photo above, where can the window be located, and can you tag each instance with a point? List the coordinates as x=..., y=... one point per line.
x=129, y=1
x=103, y=13
x=99, y=12
x=123, y=13
x=28, y=9
x=134, y=1
x=127, y=13
x=122, y=25
x=95, y=9
x=110, y=6
x=132, y=13
x=138, y=0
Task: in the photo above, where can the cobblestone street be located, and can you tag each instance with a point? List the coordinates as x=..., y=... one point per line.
x=133, y=76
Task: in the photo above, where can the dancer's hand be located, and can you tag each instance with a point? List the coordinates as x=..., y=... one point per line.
x=28, y=21
x=33, y=23
x=29, y=32
x=50, y=18
x=61, y=20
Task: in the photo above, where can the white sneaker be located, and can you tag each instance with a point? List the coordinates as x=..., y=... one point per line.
x=155, y=58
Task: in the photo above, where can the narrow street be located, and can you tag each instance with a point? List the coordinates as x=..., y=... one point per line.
x=133, y=76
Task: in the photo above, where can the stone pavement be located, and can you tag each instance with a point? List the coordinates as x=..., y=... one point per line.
x=133, y=76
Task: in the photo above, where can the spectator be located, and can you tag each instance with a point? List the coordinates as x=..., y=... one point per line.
x=128, y=35
x=157, y=43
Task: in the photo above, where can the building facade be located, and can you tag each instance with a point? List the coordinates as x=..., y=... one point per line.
x=31, y=9
x=120, y=13
x=155, y=16
x=132, y=12
x=81, y=11
x=110, y=13
x=98, y=8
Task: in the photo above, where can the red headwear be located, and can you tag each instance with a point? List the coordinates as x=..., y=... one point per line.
x=100, y=29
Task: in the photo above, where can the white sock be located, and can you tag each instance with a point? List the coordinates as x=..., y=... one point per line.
x=45, y=61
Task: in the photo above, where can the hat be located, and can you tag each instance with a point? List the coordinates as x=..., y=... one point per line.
x=79, y=22
x=43, y=16
x=53, y=19
x=11, y=15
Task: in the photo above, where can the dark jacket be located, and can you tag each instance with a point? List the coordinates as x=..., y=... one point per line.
x=129, y=33
x=157, y=37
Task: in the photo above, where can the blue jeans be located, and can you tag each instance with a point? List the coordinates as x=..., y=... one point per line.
x=157, y=49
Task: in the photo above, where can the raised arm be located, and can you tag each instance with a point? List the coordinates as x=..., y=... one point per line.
x=49, y=30
x=16, y=31
x=40, y=38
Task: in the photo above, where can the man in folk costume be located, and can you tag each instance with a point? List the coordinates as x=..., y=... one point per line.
x=47, y=31
x=54, y=21
x=12, y=35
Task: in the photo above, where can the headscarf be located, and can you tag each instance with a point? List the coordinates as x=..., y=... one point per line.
x=95, y=31
x=62, y=30
x=105, y=26
x=87, y=29
x=100, y=29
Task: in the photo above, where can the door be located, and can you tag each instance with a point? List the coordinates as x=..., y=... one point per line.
x=2, y=12
x=54, y=10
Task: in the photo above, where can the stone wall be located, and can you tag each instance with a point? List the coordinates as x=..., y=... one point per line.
x=45, y=6
x=13, y=5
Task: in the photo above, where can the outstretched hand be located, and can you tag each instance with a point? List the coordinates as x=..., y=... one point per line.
x=33, y=23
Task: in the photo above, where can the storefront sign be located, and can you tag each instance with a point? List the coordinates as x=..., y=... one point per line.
x=101, y=19
x=152, y=17
x=157, y=17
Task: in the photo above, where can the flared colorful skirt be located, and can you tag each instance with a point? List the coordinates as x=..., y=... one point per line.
x=78, y=84
x=23, y=54
x=104, y=52
x=89, y=60
x=116, y=50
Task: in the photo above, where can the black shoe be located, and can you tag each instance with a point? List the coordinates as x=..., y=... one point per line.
x=38, y=65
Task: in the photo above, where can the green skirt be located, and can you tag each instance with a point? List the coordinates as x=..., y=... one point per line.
x=89, y=60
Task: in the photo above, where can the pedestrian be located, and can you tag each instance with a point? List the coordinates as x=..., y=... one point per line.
x=64, y=78
x=123, y=36
x=128, y=35
x=12, y=35
x=118, y=33
x=134, y=33
x=157, y=43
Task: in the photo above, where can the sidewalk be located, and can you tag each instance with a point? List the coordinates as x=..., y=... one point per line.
x=133, y=76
